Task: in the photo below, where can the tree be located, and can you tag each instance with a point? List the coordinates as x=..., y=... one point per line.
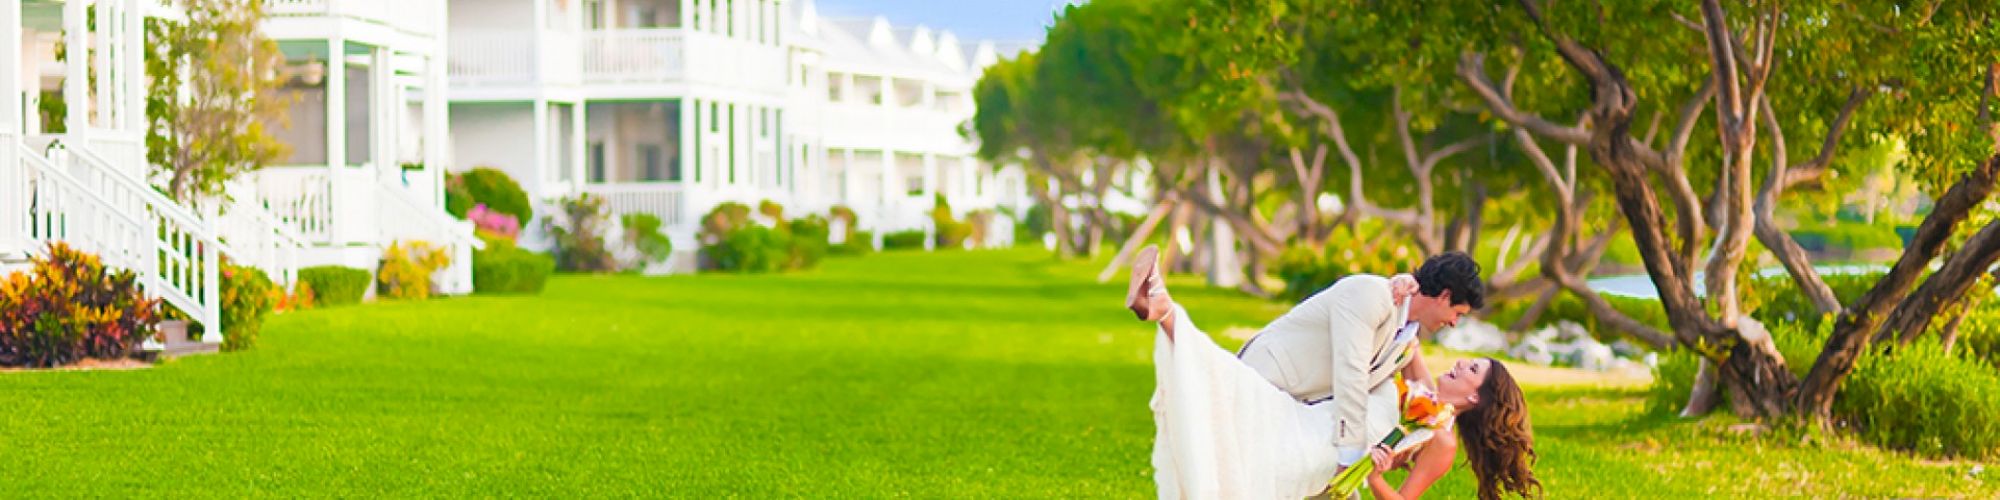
x=1742, y=54
x=215, y=88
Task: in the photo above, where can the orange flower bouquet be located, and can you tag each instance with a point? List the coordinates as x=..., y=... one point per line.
x=1422, y=417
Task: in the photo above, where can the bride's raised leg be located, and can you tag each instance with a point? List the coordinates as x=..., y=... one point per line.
x=1146, y=294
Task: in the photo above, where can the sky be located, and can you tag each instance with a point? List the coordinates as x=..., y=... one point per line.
x=971, y=20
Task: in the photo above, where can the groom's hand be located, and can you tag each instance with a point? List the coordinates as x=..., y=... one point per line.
x=1381, y=455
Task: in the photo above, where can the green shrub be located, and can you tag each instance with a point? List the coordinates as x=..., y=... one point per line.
x=1921, y=399
x=1306, y=271
x=643, y=233
x=247, y=297
x=502, y=267
x=1847, y=237
x=578, y=232
x=335, y=285
x=751, y=248
x=1979, y=334
x=808, y=243
x=491, y=187
x=1673, y=381
x=858, y=243
x=903, y=240
x=407, y=267
x=1036, y=222
x=72, y=307
x=950, y=232
x=1775, y=299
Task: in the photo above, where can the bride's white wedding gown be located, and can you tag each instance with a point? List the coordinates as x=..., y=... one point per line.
x=1226, y=432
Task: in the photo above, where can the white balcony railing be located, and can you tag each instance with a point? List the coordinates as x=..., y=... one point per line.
x=664, y=200
x=511, y=57
x=633, y=55
x=415, y=16
x=491, y=57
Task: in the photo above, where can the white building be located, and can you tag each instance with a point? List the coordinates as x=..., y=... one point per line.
x=670, y=107
x=79, y=176
x=368, y=133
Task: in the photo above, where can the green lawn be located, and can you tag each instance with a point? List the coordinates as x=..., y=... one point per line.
x=995, y=374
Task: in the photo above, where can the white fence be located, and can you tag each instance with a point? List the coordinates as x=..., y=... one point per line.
x=666, y=201
x=633, y=55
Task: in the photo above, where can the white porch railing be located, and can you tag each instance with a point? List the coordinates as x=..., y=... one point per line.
x=664, y=200
x=633, y=55
x=255, y=237
x=128, y=225
x=405, y=218
x=301, y=198
x=416, y=16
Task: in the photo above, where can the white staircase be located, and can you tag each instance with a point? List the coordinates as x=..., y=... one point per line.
x=71, y=196
x=405, y=218
x=253, y=236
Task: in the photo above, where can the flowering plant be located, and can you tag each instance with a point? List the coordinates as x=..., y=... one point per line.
x=496, y=223
x=1422, y=417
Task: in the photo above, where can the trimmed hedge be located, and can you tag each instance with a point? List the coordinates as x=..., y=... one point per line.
x=503, y=268
x=336, y=285
x=489, y=186
x=903, y=240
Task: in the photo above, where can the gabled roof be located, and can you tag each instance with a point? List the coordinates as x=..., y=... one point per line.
x=915, y=51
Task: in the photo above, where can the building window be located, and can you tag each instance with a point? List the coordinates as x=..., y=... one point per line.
x=597, y=162
x=649, y=163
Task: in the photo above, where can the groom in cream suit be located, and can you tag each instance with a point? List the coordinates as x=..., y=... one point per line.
x=1342, y=345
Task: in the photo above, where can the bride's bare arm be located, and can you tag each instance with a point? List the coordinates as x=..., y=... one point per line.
x=1431, y=463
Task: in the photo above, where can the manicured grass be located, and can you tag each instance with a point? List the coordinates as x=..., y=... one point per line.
x=988, y=374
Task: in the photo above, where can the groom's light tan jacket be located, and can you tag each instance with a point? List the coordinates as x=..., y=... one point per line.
x=1342, y=344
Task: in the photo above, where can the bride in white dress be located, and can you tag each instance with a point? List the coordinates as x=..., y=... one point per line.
x=1225, y=432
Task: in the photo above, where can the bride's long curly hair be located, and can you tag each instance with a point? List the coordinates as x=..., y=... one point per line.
x=1497, y=440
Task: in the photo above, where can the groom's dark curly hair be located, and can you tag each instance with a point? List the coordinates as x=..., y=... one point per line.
x=1453, y=271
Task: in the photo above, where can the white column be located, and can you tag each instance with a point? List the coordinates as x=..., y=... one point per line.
x=539, y=32
x=930, y=200
x=687, y=154
x=385, y=99
x=578, y=156
x=336, y=103
x=437, y=122
x=101, y=39
x=696, y=141
x=687, y=18
x=75, y=93
x=848, y=179
x=135, y=72
x=539, y=116
x=883, y=210
x=11, y=128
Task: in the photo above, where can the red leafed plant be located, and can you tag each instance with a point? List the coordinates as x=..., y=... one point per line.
x=69, y=308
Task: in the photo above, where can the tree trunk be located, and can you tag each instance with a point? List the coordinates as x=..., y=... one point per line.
x=1176, y=257
x=1945, y=288
x=1950, y=333
x=1855, y=327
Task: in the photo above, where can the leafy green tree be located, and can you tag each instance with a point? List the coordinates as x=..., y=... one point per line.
x=215, y=88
